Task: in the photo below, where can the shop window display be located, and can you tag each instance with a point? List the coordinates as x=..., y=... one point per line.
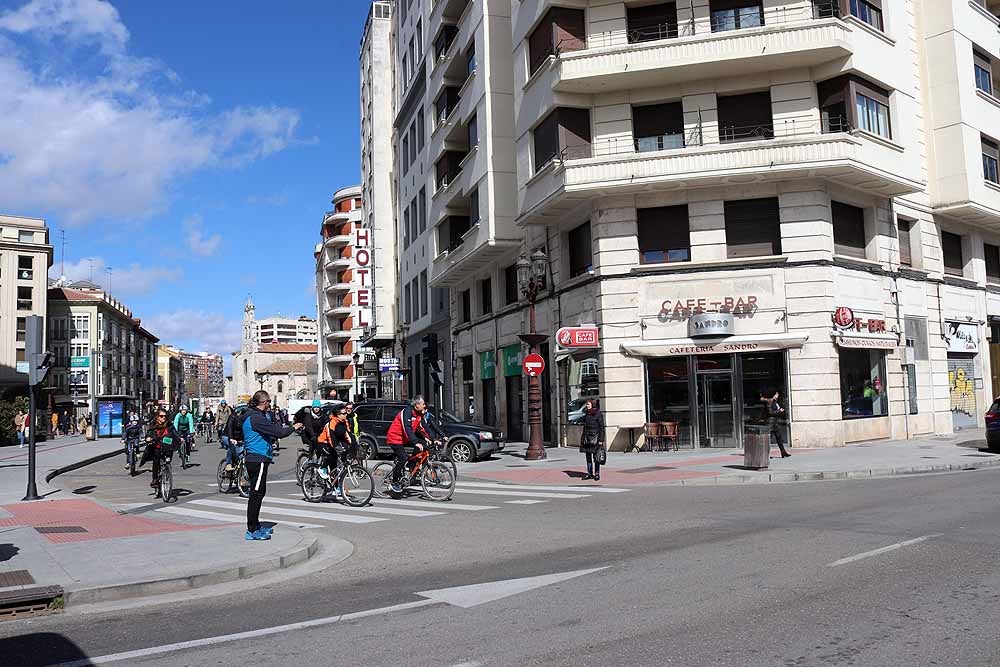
x=862, y=384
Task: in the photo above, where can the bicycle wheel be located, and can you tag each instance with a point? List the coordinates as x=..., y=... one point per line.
x=132, y=455
x=313, y=485
x=356, y=485
x=381, y=476
x=438, y=481
x=225, y=479
x=166, y=482
x=243, y=480
x=300, y=465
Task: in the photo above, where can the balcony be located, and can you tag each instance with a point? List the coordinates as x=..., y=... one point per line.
x=339, y=359
x=338, y=240
x=615, y=61
x=800, y=149
x=339, y=334
x=338, y=263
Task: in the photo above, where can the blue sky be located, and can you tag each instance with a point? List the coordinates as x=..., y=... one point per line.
x=190, y=146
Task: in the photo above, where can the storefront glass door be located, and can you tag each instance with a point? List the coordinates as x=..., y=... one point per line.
x=716, y=415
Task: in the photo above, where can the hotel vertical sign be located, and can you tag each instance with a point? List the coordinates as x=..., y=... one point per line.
x=363, y=277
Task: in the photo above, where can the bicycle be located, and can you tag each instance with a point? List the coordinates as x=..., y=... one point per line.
x=305, y=456
x=164, y=484
x=133, y=448
x=238, y=477
x=350, y=480
x=437, y=478
x=185, y=449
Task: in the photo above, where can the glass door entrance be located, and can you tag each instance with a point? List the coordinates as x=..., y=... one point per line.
x=716, y=415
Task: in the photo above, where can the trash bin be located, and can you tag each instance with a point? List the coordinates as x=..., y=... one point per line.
x=756, y=446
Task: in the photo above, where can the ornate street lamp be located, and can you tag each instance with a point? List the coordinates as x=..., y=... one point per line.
x=357, y=374
x=531, y=281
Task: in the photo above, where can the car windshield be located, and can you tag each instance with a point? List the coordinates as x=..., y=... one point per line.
x=444, y=415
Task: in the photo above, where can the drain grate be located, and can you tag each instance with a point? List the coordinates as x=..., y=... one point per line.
x=16, y=578
x=639, y=471
x=47, y=530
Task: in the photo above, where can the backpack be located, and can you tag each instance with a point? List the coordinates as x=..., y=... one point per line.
x=234, y=425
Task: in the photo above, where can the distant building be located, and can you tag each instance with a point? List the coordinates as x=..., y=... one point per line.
x=170, y=369
x=202, y=374
x=286, y=330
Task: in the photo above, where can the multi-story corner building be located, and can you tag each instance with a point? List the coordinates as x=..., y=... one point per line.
x=277, y=329
x=25, y=258
x=377, y=214
x=102, y=352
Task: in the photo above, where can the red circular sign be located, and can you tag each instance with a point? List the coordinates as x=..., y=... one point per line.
x=533, y=365
x=843, y=316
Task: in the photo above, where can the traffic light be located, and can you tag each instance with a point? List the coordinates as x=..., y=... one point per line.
x=39, y=361
x=430, y=349
x=437, y=372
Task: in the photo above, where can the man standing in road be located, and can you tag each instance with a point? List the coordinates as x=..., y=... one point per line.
x=260, y=432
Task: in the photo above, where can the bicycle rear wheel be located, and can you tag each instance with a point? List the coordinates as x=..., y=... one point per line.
x=225, y=479
x=166, y=482
x=300, y=465
x=438, y=481
x=242, y=480
x=132, y=455
x=381, y=476
x=356, y=485
x=313, y=485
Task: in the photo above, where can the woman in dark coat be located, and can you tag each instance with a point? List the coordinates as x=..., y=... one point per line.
x=160, y=429
x=592, y=438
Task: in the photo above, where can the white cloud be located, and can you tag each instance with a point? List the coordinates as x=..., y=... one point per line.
x=197, y=329
x=132, y=279
x=108, y=145
x=196, y=240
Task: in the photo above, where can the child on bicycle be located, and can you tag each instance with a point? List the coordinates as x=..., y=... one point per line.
x=335, y=439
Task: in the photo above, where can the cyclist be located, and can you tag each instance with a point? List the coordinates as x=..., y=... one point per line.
x=335, y=438
x=207, y=422
x=133, y=431
x=353, y=427
x=231, y=436
x=222, y=416
x=184, y=424
x=409, y=428
x=260, y=433
x=312, y=422
x=162, y=438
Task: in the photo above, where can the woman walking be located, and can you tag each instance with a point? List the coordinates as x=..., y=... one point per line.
x=19, y=421
x=592, y=438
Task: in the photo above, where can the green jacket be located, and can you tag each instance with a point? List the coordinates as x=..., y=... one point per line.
x=190, y=421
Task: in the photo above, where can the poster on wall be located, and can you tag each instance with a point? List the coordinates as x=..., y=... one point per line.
x=109, y=418
x=963, y=337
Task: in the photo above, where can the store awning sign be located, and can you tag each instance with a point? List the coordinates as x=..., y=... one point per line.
x=963, y=337
x=867, y=342
x=578, y=338
x=512, y=360
x=711, y=324
x=488, y=365
x=79, y=362
x=673, y=347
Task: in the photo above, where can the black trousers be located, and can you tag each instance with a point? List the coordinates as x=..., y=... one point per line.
x=776, y=432
x=257, y=473
x=401, y=456
x=593, y=467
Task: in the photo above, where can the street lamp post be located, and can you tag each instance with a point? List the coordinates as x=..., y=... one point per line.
x=357, y=374
x=531, y=281
x=403, y=370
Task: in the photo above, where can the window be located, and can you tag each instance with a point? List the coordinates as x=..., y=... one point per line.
x=664, y=234
x=511, y=291
x=25, y=236
x=447, y=168
x=415, y=289
x=466, y=306
x=745, y=117
x=862, y=384
x=848, y=230
x=406, y=228
x=869, y=110
x=445, y=39
x=404, y=153
x=561, y=30
x=658, y=126
x=281, y=386
x=414, y=214
x=60, y=328
x=407, y=304
x=445, y=104
x=24, y=301
x=413, y=145
x=873, y=116
x=411, y=53
x=486, y=296
x=869, y=11
x=425, y=299
x=422, y=210
x=404, y=73
x=546, y=140
x=736, y=14
x=951, y=249
x=990, y=157
x=474, y=215
x=473, y=130
x=904, y=225
x=420, y=36
x=984, y=73
x=79, y=349
x=992, y=254
x=25, y=267
x=651, y=22
x=22, y=329
x=420, y=130
x=564, y=133
x=580, y=250
x=752, y=228
x=470, y=61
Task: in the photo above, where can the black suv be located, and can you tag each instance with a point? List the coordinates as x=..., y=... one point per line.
x=466, y=441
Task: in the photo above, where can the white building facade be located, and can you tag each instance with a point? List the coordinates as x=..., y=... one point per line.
x=277, y=329
x=25, y=257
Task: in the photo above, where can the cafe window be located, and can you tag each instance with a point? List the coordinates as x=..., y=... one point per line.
x=664, y=234
x=745, y=117
x=848, y=230
x=668, y=395
x=951, y=249
x=486, y=296
x=869, y=11
x=862, y=384
x=580, y=250
x=582, y=384
x=657, y=127
x=736, y=14
x=752, y=228
x=992, y=254
x=991, y=155
x=984, y=72
x=904, y=227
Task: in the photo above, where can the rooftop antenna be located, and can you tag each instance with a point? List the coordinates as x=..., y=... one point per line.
x=62, y=268
x=109, y=271
x=91, y=260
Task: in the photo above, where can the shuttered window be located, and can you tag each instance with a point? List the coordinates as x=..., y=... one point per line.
x=752, y=228
x=951, y=249
x=992, y=253
x=905, y=250
x=664, y=235
x=848, y=230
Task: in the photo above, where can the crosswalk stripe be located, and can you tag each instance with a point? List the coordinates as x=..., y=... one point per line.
x=446, y=505
x=524, y=502
x=515, y=487
x=348, y=508
x=233, y=518
x=520, y=494
x=265, y=509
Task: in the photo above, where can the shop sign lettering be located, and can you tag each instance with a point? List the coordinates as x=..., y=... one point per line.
x=737, y=305
x=963, y=337
x=720, y=348
x=844, y=319
x=363, y=283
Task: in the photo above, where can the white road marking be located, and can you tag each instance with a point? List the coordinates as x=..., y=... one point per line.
x=347, y=508
x=524, y=502
x=265, y=509
x=128, y=507
x=446, y=505
x=531, y=487
x=477, y=594
x=520, y=494
x=876, y=552
x=232, y=518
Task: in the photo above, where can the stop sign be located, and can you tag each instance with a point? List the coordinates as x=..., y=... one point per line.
x=533, y=365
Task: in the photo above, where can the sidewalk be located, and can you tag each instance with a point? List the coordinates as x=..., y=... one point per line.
x=960, y=451
x=49, y=455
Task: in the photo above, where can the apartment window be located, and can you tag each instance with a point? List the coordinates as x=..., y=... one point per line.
x=745, y=117
x=425, y=299
x=22, y=329
x=904, y=225
x=580, y=250
x=470, y=61
x=60, y=328
x=24, y=301
x=406, y=227
x=869, y=11
x=873, y=115
x=984, y=72
x=564, y=133
x=848, y=230
x=992, y=254
x=417, y=298
x=852, y=102
x=990, y=157
x=466, y=306
x=658, y=126
x=473, y=131
x=404, y=72
x=422, y=209
x=420, y=129
x=474, y=215
x=664, y=234
x=447, y=168
x=25, y=267
x=420, y=36
x=407, y=304
x=511, y=292
x=951, y=249
x=445, y=104
x=451, y=231
x=736, y=14
x=411, y=51
x=404, y=154
x=25, y=236
x=486, y=296
x=413, y=145
x=546, y=140
x=560, y=30
x=752, y=228
x=651, y=22
x=445, y=38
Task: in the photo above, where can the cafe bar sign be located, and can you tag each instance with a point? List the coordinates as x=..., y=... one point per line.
x=735, y=304
x=710, y=324
x=861, y=333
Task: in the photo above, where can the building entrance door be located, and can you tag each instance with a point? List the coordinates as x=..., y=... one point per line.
x=716, y=414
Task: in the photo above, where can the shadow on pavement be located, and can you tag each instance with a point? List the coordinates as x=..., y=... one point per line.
x=83, y=490
x=8, y=551
x=40, y=648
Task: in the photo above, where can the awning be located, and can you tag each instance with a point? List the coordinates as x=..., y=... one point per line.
x=672, y=347
x=873, y=342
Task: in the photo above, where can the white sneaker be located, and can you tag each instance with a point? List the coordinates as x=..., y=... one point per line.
x=324, y=473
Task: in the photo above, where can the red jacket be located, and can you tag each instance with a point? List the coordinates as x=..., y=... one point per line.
x=406, y=427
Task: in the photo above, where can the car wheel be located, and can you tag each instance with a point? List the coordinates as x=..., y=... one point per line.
x=369, y=450
x=462, y=451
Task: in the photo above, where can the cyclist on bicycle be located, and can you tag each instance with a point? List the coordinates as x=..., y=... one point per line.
x=353, y=428
x=131, y=432
x=162, y=439
x=206, y=423
x=409, y=428
x=184, y=424
x=222, y=416
x=313, y=423
x=335, y=439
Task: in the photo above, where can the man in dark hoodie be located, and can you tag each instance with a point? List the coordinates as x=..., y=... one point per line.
x=260, y=432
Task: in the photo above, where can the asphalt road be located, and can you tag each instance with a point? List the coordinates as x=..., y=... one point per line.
x=789, y=574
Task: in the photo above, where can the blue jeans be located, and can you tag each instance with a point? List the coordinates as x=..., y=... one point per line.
x=232, y=449
x=20, y=438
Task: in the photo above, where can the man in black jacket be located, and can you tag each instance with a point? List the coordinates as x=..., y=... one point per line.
x=312, y=421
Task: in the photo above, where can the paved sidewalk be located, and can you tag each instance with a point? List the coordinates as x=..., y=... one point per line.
x=50, y=454
x=960, y=451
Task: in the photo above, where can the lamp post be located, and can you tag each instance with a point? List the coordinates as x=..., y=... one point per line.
x=531, y=281
x=403, y=370
x=357, y=374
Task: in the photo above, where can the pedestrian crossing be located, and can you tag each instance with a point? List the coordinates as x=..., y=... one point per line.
x=290, y=509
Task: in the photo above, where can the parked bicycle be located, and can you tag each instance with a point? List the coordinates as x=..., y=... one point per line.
x=436, y=476
x=350, y=481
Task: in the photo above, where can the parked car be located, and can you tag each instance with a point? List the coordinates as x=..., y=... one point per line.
x=993, y=426
x=467, y=441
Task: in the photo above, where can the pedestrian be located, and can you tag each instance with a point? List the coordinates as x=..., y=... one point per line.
x=222, y=416
x=19, y=420
x=27, y=427
x=54, y=423
x=774, y=413
x=592, y=438
x=64, y=422
x=81, y=425
x=260, y=433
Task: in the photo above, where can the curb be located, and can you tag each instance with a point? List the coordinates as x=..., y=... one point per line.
x=306, y=548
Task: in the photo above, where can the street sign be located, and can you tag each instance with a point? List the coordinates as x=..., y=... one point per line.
x=79, y=362
x=386, y=364
x=578, y=337
x=533, y=365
